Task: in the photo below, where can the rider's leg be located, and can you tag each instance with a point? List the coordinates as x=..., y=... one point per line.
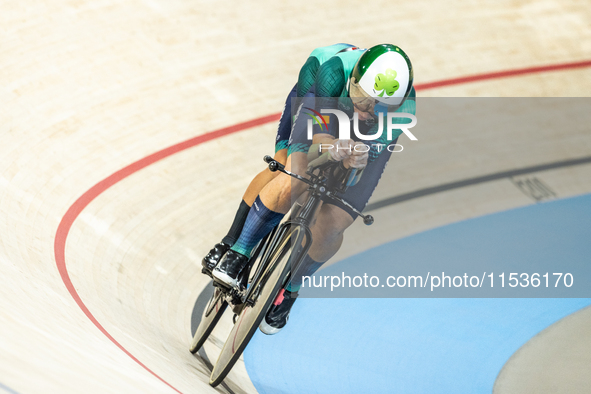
x=307, y=268
x=268, y=208
x=261, y=219
x=255, y=186
x=327, y=233
x=276, y=196
x=281, y=143
x=272, y=203
x=279, y=194
x=264, y=177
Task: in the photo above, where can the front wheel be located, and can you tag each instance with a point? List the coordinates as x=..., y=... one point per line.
x=251, y=316
x=211, y=315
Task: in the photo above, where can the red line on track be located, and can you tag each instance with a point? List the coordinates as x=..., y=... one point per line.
x=503, y=74
x=75, y=209
x=82, y=202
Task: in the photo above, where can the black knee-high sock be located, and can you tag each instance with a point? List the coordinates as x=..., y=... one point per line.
x=237, y=225
x=259, y=222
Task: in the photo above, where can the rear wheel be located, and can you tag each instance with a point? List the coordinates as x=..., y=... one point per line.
x=211, y=315
x=251, y=316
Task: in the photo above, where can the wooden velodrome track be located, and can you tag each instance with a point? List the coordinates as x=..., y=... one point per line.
x=101, y=268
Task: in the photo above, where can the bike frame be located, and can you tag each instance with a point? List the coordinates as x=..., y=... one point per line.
x=279, y=256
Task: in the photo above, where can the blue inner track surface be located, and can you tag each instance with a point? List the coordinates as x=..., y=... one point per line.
x=428, y=345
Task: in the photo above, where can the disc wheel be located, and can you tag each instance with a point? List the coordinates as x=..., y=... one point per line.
x=211, y=315
x=251, y=316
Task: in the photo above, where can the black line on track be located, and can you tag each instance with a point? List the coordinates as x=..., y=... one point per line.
x=474, y=181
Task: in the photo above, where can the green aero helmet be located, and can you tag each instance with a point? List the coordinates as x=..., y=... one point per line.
x=383, y=72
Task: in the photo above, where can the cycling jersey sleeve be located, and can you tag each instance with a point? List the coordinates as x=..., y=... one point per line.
x=329, y=83
x=307, y=75
x=330, y=80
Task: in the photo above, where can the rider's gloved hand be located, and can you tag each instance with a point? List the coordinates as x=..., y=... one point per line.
x=341, y=149
x=358, y=157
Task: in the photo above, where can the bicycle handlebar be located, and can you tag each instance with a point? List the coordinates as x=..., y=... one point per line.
x=276, y=166
x=323, y=160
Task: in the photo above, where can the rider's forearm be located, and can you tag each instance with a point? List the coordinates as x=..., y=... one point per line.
x=317, y=144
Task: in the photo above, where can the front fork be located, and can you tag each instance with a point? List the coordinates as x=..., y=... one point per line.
x=298, y=252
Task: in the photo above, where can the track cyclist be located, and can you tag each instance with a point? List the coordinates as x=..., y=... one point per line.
x=374, y=81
